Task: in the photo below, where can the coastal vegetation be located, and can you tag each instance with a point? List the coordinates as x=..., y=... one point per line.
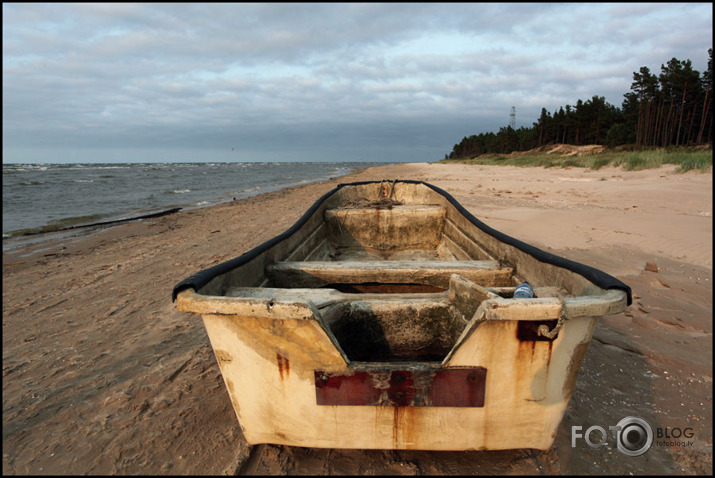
x=630, y=159
x=664, y=119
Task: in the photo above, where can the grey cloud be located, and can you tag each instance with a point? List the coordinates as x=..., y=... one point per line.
x=271, y=76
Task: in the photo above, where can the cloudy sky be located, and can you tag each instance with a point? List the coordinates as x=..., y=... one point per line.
x=325, y=82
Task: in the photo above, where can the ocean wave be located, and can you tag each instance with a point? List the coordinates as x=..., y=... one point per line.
x=75, y=220
x=92, y=167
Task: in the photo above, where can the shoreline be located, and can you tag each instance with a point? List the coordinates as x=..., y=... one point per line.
x=102, y=375
x=74, y=233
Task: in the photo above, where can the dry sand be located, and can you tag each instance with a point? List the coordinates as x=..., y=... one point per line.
x=102, y=375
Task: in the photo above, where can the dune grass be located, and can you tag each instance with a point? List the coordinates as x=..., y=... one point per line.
x=687, y=159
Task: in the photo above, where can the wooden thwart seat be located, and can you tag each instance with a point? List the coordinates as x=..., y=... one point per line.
x=435, y=273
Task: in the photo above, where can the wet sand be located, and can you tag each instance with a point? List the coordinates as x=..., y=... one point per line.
x=102, y=375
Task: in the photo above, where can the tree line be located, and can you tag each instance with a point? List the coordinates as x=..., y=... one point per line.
x=669, y=109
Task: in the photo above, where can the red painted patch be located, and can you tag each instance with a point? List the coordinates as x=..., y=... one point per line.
x=402, y=388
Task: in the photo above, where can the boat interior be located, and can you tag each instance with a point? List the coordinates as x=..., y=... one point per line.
x=394, y=279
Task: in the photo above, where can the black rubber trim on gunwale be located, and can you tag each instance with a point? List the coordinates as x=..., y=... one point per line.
x=600, y=278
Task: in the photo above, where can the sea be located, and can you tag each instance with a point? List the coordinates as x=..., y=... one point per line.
x=38, y=198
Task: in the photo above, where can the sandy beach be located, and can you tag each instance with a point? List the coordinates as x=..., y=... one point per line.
x=102, y=375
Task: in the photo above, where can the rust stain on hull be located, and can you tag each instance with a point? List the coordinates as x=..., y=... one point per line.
x=532, y=366
x=283, y=365
x=395, y=426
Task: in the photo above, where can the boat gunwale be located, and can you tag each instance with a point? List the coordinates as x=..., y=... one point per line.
x=597, y=277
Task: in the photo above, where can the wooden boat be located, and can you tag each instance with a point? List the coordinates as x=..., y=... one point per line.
x=384, y=318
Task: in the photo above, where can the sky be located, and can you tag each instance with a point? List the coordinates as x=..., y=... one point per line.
x=314, y=82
